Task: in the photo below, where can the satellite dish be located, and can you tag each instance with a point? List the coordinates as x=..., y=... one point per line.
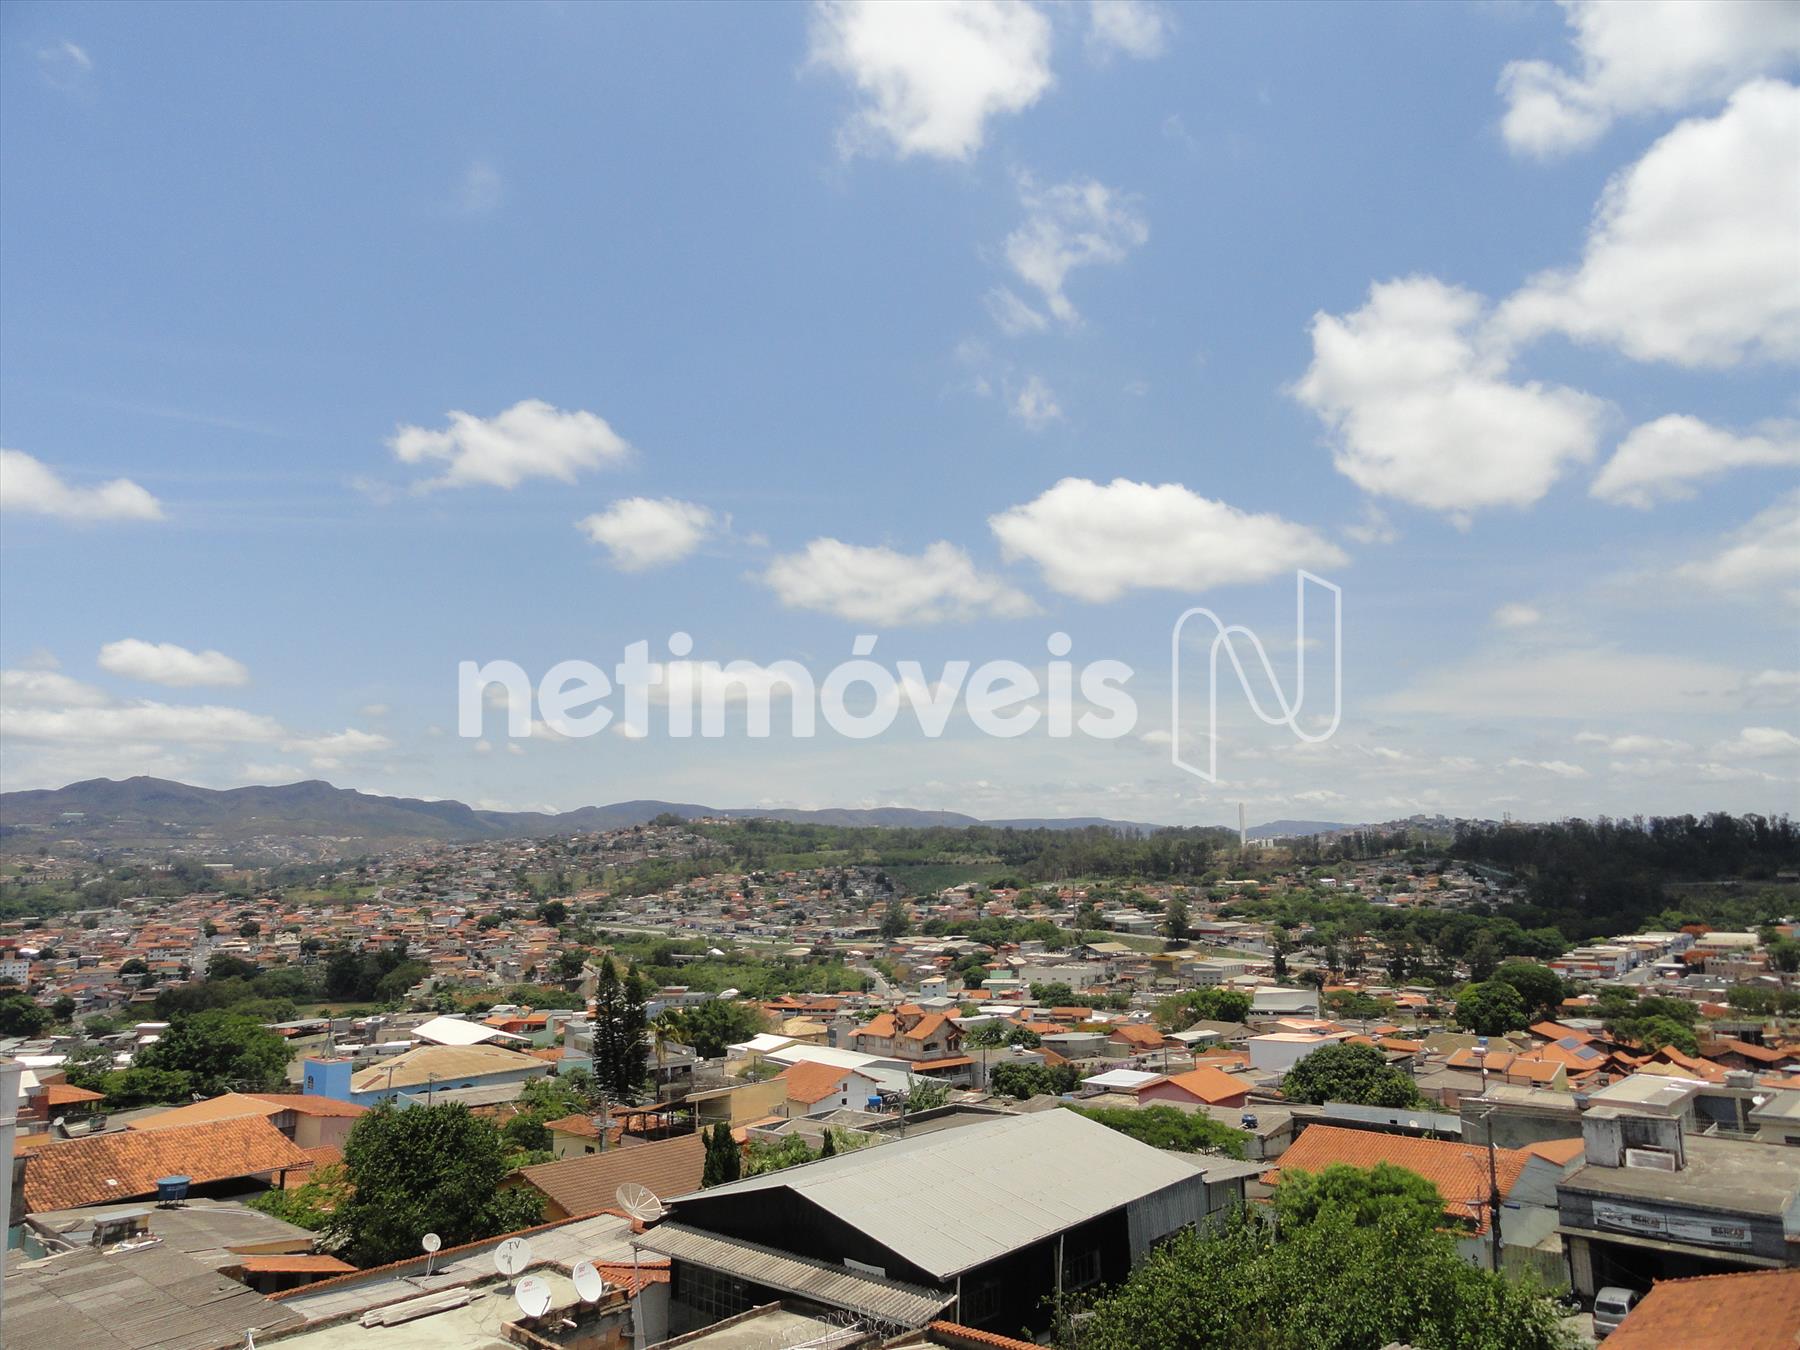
x=639, y=1201
x=587, y=1281
x=512, y=1256
x=431, y=1242
x=533, y=1295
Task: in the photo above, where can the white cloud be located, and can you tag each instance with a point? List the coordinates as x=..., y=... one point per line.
x=166, y=663
x=139, y=722
x=30, y=486
x=1423, y=410
x=65, y=65
x=375, y=710
x=1690, y=258
x=48, y=689
x=531, y=439
x=1763, y=553
x=1558, y=768
x=1592, y=684
x=1760, y=743
x=1632, y=744
x=330, y=751
x=480, y=190
x=1516, y=614
x=1771, y=688
x=1012, y=314
x=1133, y=28
x=931, y=76
x=880, y=585
x=1035, y=404
x=1080, y=223
x=645, y=532
x=1661, y=460
x=1097, y=542
x=1647, y=56
x=1373, y=528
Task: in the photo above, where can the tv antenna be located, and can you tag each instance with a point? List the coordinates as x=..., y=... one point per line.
x=588, y=1283
x=639, y=1201
x=430, y=1242
x=532, y=1296
x=512, y=1256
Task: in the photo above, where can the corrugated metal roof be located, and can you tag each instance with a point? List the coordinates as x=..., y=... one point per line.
x=837, y=1286
x=949, y=1202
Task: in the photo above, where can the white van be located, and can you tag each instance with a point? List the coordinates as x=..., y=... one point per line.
x=1610, y=1308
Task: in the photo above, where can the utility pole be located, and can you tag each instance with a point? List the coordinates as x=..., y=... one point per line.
x=11, y=1071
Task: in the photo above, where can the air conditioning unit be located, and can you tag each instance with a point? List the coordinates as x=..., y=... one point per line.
x=1659, y=1159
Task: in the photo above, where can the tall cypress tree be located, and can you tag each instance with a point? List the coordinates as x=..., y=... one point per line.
x=620, y=1033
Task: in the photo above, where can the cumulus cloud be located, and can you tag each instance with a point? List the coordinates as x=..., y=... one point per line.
x=146, y=721
x=1690, y=258
x=1662, y=460
x=1763, y=553
x=1071, y=225
x=883, y=586
x=31, y=487
x=1134, y=28
x=1760, y=743
x=531, y=439
x=1648, y=56
x=646, y=532
x=1096, y=542
x=1632, y=744
x=931, y=76
x=1422, y=407
x=330, y=751
x=1516, y=614
x=1035, y=404
x=1558, y=768
x=167, y=663
x=48, y=689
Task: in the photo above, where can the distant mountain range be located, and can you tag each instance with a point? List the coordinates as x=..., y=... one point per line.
x=1290, y=829
x=157, y=811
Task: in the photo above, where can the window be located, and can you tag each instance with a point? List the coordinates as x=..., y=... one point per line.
x=1080, y=1269
x=981, y=1303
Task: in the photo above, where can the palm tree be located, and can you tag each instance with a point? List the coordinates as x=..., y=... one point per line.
x=668, y=1029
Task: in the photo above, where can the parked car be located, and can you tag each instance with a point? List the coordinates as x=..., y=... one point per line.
x=1611, y=1305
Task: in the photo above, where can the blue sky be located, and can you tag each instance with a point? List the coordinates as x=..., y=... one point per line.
x=1055, y=319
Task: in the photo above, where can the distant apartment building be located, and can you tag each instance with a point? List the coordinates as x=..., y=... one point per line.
x=1594, y=963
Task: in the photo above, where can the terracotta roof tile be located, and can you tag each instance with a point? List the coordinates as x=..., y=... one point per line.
x=590, y=1183
x=105, y=1168
x=1751, y=1310
x=1207, y=1084
x=958, y=1337
x=811, y=1082
x=1459, y=1171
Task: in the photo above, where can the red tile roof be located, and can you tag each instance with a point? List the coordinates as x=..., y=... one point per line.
x=811, y=1082
x=1459, y=1171
x=1206, y=1084
x=1749, y=1310
x=105, y=1168
x=958, y=1337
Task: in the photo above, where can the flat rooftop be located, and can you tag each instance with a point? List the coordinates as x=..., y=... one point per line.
x=474, y=1326
x=1721, y=1174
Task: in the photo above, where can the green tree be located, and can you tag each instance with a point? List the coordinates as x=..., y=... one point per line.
x=1375, y=1196
x=1540, y=987
x=711, y=1026
x=772, y=1156
x=926, y=1094
x=20, y=1016
x=126, y=1088
x=1359, y=1074
x=1178, y=1012
x=553, y=912
x=1483, y=956
x=1054, y=994
x=1168, y=1127
x=621, y=1033
x=1023, y=1081
x=63, y=1009
x=310, y=1205
x=425, y=1169
x=1175, y=919
x=724, y=1160
x=827, y=1148
x=1491, y=1009
x=219, y=1051
x=1326, y=1284
x=895, y=921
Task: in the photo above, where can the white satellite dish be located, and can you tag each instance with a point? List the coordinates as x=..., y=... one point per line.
x=639, y=1201
x=512, y=1256
x=533, y=1296
x=587, y=1281
x=431, y=1242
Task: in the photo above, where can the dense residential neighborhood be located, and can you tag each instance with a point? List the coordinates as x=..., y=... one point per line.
x=802, y=1092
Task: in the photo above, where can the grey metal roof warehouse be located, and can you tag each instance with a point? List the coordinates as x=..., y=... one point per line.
x=836, y=1286
x=1027, y=1177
